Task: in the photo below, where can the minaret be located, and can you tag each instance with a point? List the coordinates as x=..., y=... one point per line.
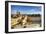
x=18, y=13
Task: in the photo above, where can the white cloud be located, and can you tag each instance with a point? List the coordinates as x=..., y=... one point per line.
x=29, y=12
x=33, y=11
x=13, y=11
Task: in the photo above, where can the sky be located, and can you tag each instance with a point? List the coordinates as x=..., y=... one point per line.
x=25, y=9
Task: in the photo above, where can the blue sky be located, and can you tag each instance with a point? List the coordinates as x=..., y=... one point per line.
x=26, y=9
